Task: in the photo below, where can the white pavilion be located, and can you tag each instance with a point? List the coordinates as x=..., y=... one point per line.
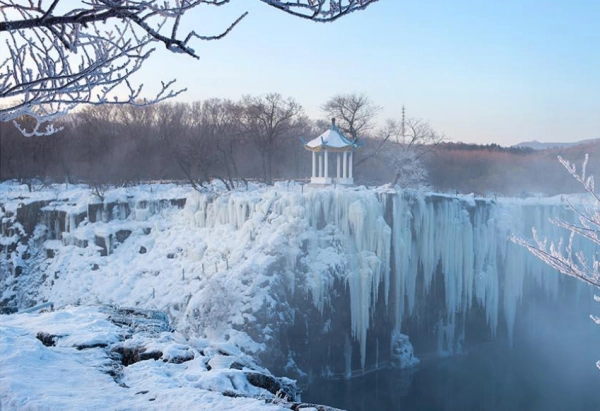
x=332, y=141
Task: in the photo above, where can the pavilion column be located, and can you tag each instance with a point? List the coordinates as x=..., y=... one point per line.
x=326, y=164
x=345, y=169
x=314, y=164
x=319, y=158
x=350, y=165
x=338, y=165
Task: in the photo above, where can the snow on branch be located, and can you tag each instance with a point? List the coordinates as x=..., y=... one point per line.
x=59, y=54
x=562, y=256
x=320, y=10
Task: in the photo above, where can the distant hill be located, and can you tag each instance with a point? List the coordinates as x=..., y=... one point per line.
x=536, y=145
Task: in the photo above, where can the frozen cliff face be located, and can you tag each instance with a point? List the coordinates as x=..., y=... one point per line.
x=297, y=247
x=318, y=281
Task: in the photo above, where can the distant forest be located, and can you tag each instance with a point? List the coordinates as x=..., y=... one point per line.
x=218, y=139
x=495, y=170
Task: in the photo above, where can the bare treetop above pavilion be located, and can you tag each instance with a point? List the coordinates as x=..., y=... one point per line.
x=332, y=141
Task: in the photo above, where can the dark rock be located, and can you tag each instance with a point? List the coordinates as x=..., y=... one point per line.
x=8, y=310
x=236, y=366
x=188, y=356
x=122, y=235
x=231, y=394
x=28, y=215
x=114, y=369
x=171, y=255
x=95, y=212
x=101, y=242
x=95, y=267
x=128, y=355
x=143, y=250
x=302, y=405
x=275, y=386
x=48, y=340
x=152, y=355
x=18, y=270
x=88, y=346
x=179, y=203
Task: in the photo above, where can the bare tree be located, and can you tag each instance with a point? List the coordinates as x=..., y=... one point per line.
x=268, y=121
x=228, y=136
x=413, y=139
x=354, y=113
x=295, y=153
x=60, y=55
x=194, y=146
x=98, y=125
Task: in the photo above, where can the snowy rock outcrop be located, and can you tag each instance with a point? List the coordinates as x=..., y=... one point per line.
x=112, y=358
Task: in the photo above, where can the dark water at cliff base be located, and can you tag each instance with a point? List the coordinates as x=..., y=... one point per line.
x=491, y=377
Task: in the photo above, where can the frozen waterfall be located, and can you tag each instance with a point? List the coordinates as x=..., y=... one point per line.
x=333, y=275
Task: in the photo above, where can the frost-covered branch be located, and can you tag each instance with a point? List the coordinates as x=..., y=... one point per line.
x=57, y=54
x=320, y=10
x=562, y=256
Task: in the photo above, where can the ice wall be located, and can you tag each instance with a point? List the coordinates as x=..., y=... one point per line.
x=393, y=245
x=355, y=219
x=466, y=242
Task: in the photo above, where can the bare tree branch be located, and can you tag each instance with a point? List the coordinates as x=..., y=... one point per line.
x=355, y=113
x=320, y=10
x=60, y=54
x=562, y=256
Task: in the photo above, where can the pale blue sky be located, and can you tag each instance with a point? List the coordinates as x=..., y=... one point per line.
x=479, y=71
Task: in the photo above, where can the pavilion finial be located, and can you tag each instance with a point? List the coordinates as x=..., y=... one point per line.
x=333, y=122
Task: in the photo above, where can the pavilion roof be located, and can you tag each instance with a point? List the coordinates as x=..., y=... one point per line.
x=332, y=139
